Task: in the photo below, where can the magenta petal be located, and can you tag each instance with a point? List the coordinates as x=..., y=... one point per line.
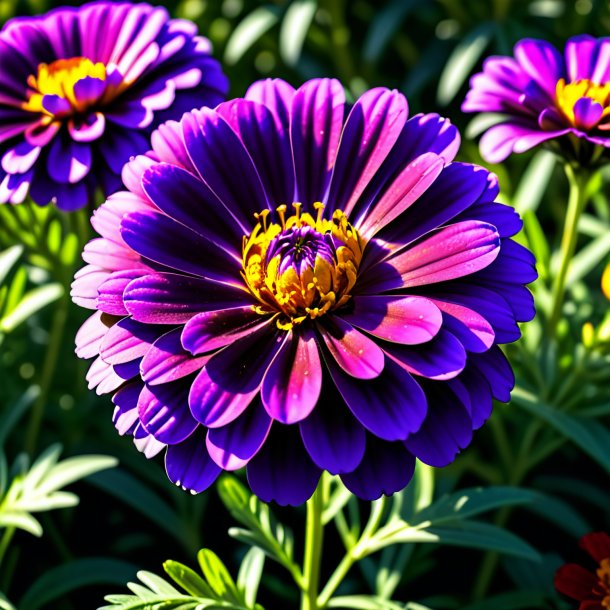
x=333, y=437
x=167, y=360
x=164, y=412
x=402, y=319
x=385, y=469
x=89, y=336
x=125, y=416
x=371, y=130
x=189, y=465
x=587, y=113
x=232, y=377
x=235, y=444
x=171, y=298
x=211, y=330
x=355, y=353
x=127, y=340
x=110, y=292
x=402, y=193
x=292, y=384
x=315, y=127
x=282, y=470
x=542, y=62
x=274, y=93
x=391, y=406
x=449, y=253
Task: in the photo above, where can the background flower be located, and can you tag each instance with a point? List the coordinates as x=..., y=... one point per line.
x=353, y=331
x=591, y=589
x=82, y=88
x=543, y=96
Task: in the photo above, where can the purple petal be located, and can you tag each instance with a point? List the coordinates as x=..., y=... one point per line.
x=89, y=336
x=385, y=469
x=582, y=58
x=447, y=428
x=292, y=384
x=542, y=62
x=56, y=105
x=282, y=471
x=443, y=357
x=315, y=127
x=355, y=353
x=407, y=320
x=110, y=292
x=333, y=437
x=127, y=340
x=102, y=377
x=494, y=367
x=90, y=128
x=371, y=130
x=189, y=465
x=219, y=155
x=232, y=377
x=167, y=360
x=125, y=416
x=71, y=161
x=164, y=412
x=587, y=113
x=21, y=158
x=268, y=144
x=171, y=298
x=274, y=93
x=477, y=386
x=211, y=330
x=163, y=240
x=169, y=187
x=391, y=406
x=235, y=444
x=88, y=90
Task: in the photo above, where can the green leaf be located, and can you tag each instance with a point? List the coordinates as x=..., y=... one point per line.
x=188, y=579
x=218, y=576
x=74, y=575
x=384, y=26
x=21, y=520
x=296, y=23
x=8, y=259
x=467, y=503
x=560, y=513
x=250, y=573
x=369, y=602
x=249, y=30
x=481, y=123
x=32, y=302
x=5, y=604
x=538, y=243
x=534, y=182
x=16, y=412
x=588, y=258
x=588, y=434
x=462, y=61
x=514, y=600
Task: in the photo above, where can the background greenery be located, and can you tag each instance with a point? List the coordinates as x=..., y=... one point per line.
x=551, y=446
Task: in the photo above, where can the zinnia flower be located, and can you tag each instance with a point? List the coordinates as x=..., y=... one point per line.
x=292, y=290
x=543, y=96
x=591, y=589
x=81, y=89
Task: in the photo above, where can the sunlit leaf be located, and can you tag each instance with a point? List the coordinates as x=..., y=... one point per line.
x=293, y=31
x=249, y=30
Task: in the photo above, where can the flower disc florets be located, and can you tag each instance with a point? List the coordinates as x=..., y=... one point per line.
x=301, y=267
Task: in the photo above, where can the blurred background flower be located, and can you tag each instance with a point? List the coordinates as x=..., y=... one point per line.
x=82, y=88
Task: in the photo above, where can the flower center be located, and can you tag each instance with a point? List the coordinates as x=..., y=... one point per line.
x=301, y=267
x=583, y=103
x=603, y=574
x=68, y=86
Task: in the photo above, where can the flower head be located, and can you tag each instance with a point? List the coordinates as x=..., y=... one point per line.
x=81, y=89
x=294, y=288
x=544, y=96
x=591, y=589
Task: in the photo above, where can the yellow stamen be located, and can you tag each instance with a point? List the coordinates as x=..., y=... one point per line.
x=567, y=95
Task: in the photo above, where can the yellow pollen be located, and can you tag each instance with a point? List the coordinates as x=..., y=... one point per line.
x=567, y=95
x=301, y=267
x=59, y=78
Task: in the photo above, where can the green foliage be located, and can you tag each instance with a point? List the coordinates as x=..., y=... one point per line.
x=214, y=589
x=38, y=487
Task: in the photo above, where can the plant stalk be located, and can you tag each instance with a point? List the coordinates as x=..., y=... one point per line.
x=314, y=538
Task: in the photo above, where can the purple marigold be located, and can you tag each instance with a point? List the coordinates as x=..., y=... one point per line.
x=543, y=96
x=82, y=88
x=292, y=290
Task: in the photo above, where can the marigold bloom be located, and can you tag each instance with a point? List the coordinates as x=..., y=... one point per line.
x=81, y=89
x=543, y=96
x=292, y=290
x=591, y=589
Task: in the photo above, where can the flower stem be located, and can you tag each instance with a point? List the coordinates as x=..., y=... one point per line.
x=314, y=536
x=578, y=179
x=5, y=541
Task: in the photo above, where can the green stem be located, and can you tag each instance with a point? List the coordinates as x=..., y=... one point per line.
x=578, y=180
x=314, y=536
x=49, y=367
x=5, y=541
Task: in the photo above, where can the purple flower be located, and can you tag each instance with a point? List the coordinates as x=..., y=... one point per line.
x=82, y=88
x=542, y=96
x=291, y=290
